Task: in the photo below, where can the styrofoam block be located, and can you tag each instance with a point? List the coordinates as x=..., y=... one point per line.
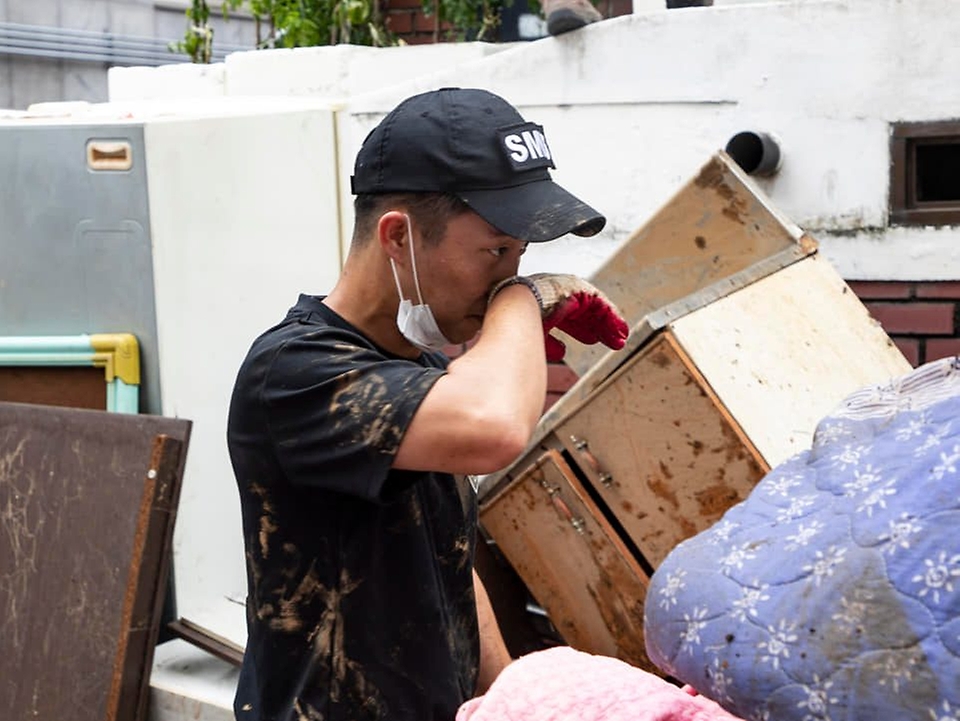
x=167, y=108
x=177, y=80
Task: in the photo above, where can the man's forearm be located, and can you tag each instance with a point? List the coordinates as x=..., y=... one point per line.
x=494, y=655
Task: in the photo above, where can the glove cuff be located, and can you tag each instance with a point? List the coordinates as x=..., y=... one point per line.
x=517, y=280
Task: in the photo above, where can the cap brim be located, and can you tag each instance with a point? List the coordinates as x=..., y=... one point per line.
x=534, y=212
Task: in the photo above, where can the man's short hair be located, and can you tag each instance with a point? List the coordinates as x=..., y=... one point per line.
x=430, y=212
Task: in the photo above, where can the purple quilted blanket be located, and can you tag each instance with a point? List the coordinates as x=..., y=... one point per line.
x=833, y=590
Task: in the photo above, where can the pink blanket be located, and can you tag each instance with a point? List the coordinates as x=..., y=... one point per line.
x=563, y=684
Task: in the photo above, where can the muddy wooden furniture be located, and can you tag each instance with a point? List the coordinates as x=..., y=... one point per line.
x=87, y=506
x=742, y=338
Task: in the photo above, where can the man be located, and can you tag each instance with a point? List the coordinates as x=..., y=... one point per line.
x=350, y=435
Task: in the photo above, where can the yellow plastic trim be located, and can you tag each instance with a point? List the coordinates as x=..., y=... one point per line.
x=118, y=354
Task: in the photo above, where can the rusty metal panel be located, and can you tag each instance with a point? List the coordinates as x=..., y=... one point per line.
x=576, y=567
x=87, y=506
x=660, y=449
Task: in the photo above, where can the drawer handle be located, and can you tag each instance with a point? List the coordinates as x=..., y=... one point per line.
x=562, y=508
x=551, y=490
x=582, y=447
x=109, y=155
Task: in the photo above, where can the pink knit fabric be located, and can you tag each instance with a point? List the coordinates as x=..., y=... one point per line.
x=563, y=684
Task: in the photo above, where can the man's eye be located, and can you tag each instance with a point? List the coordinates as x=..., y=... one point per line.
x=504, y=249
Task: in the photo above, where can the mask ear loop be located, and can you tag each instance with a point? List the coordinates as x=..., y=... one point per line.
x=396, y=279
x=413, y=261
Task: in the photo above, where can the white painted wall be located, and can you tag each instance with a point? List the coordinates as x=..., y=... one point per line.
x=330, y=72
x=340, y=71
x=633, y=105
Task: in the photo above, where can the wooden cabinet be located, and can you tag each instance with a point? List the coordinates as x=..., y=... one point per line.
x=660, y=450
x=737, y=350
x=591, y=584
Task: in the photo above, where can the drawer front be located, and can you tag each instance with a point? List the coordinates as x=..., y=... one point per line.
x=660, y=450
x=556, y=540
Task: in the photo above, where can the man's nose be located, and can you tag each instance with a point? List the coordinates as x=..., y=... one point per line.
x=508, y=270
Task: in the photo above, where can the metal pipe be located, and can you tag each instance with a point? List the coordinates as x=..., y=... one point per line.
x=97, y=52
x=98, y=40
x=85, y=57
x=90, y=46
x=757, y=153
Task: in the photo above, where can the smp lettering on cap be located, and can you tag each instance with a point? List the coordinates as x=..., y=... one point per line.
x=526, y=147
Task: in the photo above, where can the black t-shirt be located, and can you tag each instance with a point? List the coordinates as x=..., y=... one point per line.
x=360, y=597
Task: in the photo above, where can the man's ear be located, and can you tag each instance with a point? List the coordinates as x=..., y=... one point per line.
x=392, y=235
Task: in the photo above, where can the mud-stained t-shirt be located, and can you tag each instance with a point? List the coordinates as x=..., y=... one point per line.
x=360, y=598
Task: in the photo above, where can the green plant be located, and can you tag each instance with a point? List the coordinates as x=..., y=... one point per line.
x=474, y=19
x=299, y=23
x=198, y=39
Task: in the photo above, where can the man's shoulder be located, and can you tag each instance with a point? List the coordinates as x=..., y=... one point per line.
x=312, y=323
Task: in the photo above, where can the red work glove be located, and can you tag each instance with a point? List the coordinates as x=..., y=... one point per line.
x=574, y=306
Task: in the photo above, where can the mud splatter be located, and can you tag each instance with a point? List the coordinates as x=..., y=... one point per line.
x=710, y=175
x=715, y=500
x=268, y=526
x=619, y=597
x=348, y=680
x=306, y=712
x=288, y=618
x=663, y=491
x=713, y=176
x=661, y=359
x=351, y=406
x=665, y=471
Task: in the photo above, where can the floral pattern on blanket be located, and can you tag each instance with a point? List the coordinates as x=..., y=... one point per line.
x=833, y=590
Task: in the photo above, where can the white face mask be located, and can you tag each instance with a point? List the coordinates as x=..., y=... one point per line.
x=416, y=322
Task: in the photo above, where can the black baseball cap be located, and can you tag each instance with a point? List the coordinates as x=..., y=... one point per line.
x=475, y=145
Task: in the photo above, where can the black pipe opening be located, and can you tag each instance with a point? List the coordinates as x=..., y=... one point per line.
x=756, y=153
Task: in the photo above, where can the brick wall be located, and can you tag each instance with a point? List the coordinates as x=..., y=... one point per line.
x=406, y=19
x=922, y=318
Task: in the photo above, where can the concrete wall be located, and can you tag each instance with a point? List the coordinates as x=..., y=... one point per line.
x=27, y=79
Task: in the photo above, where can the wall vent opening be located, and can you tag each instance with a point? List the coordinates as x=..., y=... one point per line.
x=925, y=173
